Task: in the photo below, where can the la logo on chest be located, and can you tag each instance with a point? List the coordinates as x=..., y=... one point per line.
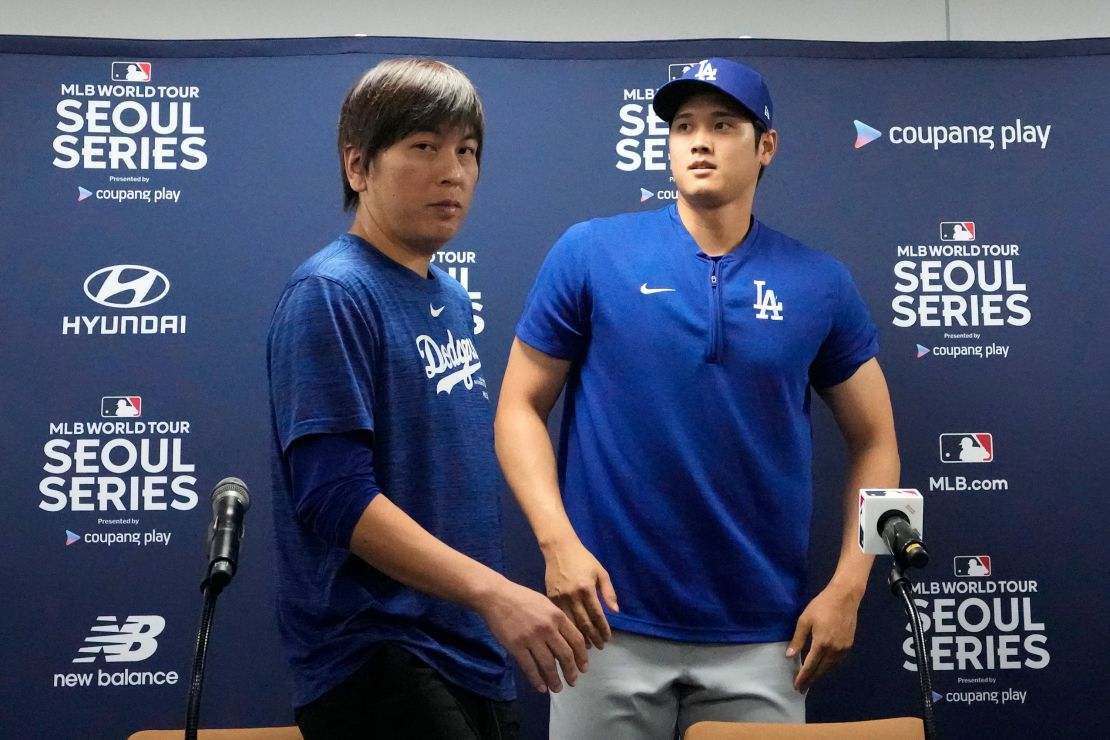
x=767, y=306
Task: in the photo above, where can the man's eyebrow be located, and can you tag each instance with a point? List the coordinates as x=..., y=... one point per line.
x=720, y=113
x=467, y=133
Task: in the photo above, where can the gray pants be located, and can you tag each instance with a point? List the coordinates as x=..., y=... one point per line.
x=647, y=688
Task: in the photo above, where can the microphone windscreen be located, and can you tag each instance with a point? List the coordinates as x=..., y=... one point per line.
x=232, y=486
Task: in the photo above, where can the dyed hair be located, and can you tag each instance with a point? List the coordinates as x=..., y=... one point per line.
x=400, y=97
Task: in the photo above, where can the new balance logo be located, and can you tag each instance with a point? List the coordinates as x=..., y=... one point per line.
x=765, y=302
x=127, y=643
x=706, y=72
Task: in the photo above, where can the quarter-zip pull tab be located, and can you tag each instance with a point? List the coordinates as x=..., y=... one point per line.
x=716, y=319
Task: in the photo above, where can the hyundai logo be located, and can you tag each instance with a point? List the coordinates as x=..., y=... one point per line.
x=127, y=286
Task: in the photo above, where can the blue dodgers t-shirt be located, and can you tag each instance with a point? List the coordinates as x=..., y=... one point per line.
x=685, y=453
x=359, y=342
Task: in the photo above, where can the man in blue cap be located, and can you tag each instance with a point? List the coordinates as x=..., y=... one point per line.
x=688, y=339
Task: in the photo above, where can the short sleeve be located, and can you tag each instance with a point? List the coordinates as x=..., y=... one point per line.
x=322, y=351
x=852, y=339
x=556, y=318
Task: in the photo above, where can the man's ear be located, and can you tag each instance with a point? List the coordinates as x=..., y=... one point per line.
x=768, y=145
x=355, y=168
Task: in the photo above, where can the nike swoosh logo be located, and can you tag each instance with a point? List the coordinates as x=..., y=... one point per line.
x=436, y=311
x=648, y=291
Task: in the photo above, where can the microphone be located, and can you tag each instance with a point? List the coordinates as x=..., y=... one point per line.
x=230, y=501
x=902, y=539
x=890, y=523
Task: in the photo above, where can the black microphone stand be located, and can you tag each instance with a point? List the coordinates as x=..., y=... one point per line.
x=901, y=587
x=230, y=501
x=211, y=587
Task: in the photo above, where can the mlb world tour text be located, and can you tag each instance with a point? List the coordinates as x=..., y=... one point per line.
x=130, y=134
x=991, y=625
x=118, y=474
x=960, y=292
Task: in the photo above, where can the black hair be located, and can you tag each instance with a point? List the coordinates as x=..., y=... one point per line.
x=400, y=97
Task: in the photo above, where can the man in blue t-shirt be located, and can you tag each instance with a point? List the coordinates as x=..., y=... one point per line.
x=386, y=489
x=688, y=339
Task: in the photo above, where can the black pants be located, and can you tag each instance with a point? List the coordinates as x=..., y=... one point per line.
x=396, y=696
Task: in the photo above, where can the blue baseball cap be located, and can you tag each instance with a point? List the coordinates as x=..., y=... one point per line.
x=739, y=82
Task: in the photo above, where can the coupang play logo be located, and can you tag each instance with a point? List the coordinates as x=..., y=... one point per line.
x=865, y=134
x=1010, y=135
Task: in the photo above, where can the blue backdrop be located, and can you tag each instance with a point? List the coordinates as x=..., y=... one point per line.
x=157, y=195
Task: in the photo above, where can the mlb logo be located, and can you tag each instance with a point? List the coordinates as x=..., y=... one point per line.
x=877, y=492
x=967, y=447
x=121, y=407
x=971, y=566
x=131, y=71
x=674, y=71
x=873, y=492
x=957, y=231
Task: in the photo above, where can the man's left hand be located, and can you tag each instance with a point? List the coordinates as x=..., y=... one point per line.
x=829, y=625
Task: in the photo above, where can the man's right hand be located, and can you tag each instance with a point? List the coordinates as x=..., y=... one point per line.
x=536, y=634
x=574, y=577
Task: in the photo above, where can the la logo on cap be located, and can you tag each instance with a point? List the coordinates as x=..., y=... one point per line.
x=706, y=71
